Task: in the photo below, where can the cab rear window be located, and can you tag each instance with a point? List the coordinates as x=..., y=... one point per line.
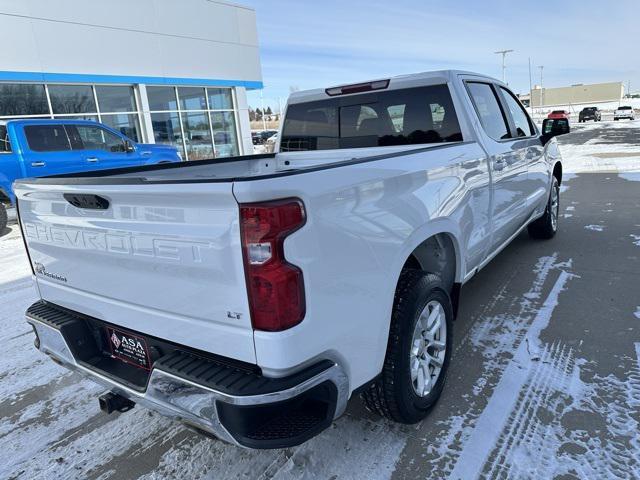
x=396, y=117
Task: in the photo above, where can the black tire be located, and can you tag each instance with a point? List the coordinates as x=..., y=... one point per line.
x=393, y=394
x=545, y=227
x=3, y=218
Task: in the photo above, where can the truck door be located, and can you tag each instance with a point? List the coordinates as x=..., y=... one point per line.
x=48, y=152
x=100, y=148
x=507, y=162
x=529, y=145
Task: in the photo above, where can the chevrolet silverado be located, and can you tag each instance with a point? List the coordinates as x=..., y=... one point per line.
x=251, y=297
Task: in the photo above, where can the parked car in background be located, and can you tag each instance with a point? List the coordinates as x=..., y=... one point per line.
x=559, y=114
x=624, y=112
x=260, y=137
x=270, y=143
x=269, y=289
x=590, y=113
x=37, y=148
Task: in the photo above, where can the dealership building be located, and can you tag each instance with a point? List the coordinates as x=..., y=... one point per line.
x=158, y=71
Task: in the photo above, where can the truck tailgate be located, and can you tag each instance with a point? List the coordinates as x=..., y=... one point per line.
x=161, y=259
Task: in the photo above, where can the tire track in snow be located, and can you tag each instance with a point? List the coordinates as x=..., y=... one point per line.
x=564, y=425
x=495, y=338
x=489, y=425
x=552, y=433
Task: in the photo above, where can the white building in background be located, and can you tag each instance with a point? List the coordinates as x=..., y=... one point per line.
x=159, y=71
x=579, y=94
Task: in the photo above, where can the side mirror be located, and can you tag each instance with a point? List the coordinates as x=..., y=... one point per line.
x=552, y=127
x=128, y=147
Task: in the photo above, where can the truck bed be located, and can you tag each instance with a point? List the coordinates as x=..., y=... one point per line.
x=234, y=169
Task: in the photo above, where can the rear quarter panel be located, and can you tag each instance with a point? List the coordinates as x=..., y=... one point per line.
x=363, y=221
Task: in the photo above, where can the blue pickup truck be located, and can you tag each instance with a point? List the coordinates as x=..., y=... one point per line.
x=37, y=148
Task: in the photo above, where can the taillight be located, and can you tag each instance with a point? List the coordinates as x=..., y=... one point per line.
x=275, y=286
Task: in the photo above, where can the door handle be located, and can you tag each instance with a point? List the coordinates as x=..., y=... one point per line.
x=92, y=159
x=38, y=164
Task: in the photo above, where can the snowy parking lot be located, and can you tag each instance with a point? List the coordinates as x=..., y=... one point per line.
x=544, y=381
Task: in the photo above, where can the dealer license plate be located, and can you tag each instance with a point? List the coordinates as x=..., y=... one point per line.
x=129, y=348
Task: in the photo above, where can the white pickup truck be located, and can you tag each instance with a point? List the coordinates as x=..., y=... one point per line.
x=251, y=297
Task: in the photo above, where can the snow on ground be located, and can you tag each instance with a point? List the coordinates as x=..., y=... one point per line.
x=596, y=155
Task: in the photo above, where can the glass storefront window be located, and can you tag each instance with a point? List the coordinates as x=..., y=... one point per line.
x=115, y=98
x=72, y=99
x=197, y=136
x=224, y=134
x=93, y=118
x=22, y=99
x=220, y=99
x=126, y=124
x=192, y=98
x=166, y=129
x=162, y=98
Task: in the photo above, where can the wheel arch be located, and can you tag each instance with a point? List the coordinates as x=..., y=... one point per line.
x=4, y=196
x=557, y=171
x=438, y=252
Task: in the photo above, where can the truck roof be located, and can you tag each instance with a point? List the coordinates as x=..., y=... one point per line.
x=397, y=82
x=47, y=121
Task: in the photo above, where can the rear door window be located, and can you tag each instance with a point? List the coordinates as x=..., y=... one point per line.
x=524, y=126
x=47, y=138
x=488, y=109
x=394, y=117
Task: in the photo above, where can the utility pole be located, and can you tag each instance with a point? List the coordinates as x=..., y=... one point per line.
x=541, y=67
x=530, y=90
x=264, y=121
x=504, y=67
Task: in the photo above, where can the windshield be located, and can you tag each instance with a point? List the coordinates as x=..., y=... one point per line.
x=395, y=117
x=624, y=108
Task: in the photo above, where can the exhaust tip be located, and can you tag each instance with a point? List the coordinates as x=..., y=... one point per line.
x=112, y=402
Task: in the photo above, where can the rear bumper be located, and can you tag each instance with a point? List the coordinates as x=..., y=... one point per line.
x=259, y=412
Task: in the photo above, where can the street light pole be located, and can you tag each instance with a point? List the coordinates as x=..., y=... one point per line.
x=504, y=67
x=541, y=67
x=264, y=120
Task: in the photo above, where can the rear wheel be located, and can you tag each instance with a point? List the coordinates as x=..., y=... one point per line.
x=547, y=225
x=418, y=350
x=3, y=218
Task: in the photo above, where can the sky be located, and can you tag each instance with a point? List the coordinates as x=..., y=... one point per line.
x=310, y=44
